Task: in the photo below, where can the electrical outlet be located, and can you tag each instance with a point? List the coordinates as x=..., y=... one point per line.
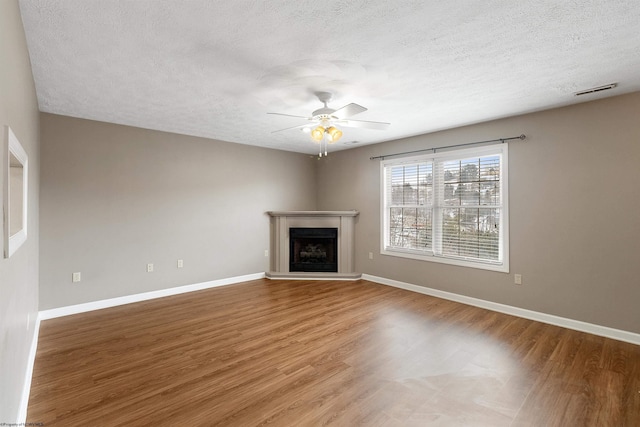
x=149, y=268
x=76, y=277
x=370, y=255
x=180, y=263
x=266, y=252
x=517, y=279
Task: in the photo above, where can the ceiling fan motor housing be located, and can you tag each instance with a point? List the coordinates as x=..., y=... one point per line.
x=323, y=113
x=326, y=119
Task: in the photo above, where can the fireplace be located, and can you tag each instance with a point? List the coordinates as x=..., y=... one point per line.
x=313, y=249
x=312, y=245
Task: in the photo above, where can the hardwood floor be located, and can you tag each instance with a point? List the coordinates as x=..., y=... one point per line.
x=310, y=353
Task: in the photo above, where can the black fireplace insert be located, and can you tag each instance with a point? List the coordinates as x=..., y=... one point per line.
x=313, y=249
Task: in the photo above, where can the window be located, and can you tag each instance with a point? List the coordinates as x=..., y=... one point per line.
x=448, y=207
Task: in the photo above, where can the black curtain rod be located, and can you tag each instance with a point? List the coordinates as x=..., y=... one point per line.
x=500, y=140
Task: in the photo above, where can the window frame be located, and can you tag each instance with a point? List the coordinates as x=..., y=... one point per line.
x=437, y=159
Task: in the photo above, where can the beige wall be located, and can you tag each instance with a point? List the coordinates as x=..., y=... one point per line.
x=574, y=212
x=115, y=198
x=18, y=274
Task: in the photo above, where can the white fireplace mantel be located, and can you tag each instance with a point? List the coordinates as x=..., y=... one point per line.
x=282, y=221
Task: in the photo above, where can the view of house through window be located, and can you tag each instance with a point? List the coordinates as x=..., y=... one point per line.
x=448, y=207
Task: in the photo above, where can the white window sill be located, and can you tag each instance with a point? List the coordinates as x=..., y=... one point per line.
x=502, y=268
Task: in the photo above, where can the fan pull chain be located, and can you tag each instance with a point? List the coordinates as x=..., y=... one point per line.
x=325, y=148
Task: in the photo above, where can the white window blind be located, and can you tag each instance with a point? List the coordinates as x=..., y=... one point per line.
x=410, y=206
x=448, y=207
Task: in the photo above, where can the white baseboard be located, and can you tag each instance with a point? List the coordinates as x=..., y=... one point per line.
x=577, y=325
x=24, y=400
x=128, y=299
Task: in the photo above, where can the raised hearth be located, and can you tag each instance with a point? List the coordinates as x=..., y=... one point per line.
x=301, y=245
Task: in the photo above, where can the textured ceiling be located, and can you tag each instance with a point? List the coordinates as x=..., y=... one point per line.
x=214, y=69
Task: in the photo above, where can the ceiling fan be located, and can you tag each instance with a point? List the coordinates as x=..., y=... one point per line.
x=323, y=122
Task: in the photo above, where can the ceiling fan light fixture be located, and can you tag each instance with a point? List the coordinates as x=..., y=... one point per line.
x=334, y=134
x=317, y=134
x=325, y=132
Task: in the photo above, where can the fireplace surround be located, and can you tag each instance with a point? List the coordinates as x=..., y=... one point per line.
x=316, y=244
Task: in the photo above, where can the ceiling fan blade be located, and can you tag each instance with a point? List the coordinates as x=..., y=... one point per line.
x=293, y=127
x=363, y=124
x=348, y=111
x=289, y=115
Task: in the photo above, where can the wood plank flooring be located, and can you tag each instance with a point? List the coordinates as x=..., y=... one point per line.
x=313, y=353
